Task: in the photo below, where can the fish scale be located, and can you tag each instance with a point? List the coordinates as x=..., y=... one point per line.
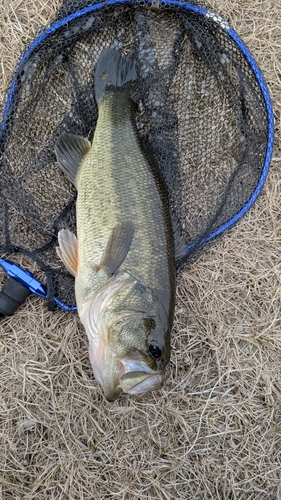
x=116, y=183
x=123, y=257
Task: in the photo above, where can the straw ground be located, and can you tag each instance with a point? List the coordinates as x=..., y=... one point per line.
x=214, y=430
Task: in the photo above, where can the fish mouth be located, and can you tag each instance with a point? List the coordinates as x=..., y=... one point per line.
x=138, y=377
x=140, y=382
x=131, y=374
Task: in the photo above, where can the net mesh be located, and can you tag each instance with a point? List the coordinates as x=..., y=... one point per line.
x=200, y=111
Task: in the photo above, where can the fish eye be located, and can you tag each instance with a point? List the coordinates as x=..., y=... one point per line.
x=155, y=351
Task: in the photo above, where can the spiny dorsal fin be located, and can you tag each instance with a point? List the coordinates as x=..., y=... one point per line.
x=68, y=250
x=117, y=246
x=70, y=150
x=179, y=240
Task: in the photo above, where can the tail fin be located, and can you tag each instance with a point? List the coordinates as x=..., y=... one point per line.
x=114, y=70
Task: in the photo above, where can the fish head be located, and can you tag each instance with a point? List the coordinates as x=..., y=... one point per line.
x=128, y=338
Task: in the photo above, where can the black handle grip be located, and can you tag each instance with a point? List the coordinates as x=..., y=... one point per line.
x=12, y=295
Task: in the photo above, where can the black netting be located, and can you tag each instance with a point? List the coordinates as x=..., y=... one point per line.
x=200, y=111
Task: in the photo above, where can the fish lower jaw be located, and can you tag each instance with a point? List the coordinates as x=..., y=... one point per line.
x=138, y=377
x=140, y=382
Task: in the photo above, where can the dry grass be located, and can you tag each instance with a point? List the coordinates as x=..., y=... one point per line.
x=214, y=431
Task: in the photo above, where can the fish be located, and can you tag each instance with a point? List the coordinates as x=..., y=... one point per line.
x=123, y=257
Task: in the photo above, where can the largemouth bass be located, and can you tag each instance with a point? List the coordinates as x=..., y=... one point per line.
x=123, y=256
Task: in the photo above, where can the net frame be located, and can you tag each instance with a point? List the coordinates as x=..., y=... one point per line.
x=14, y=96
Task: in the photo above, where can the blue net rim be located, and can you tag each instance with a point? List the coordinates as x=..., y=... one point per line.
x=240, y=44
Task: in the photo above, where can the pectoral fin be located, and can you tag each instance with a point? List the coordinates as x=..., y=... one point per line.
x=68, y=250
x=117, y=246
x=70, y=150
